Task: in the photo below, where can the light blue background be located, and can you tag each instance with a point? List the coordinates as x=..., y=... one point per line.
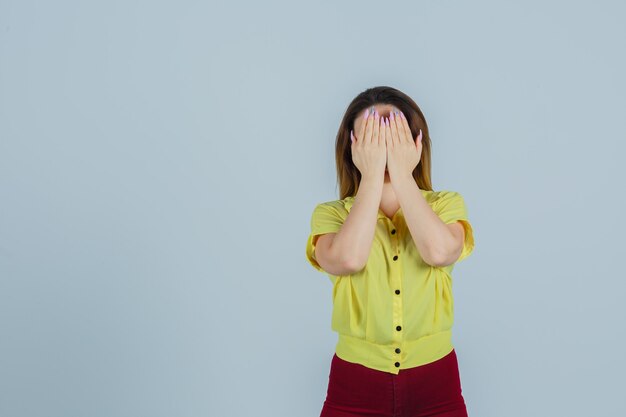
x=159, y=163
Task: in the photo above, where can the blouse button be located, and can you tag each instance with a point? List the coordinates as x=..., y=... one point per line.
x=397, y=291
x=395, y=257
x=398, y=328
x=397, y=364
x=393, y=232
x=397, y=350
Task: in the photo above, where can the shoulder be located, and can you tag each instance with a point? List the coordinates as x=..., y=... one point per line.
x=449, y=205
x=446, y=197
x=333, y=209
x=446, y=194
x=335, y=206
x=439, y=197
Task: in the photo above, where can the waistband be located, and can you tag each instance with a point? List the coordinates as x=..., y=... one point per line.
x=384, y=357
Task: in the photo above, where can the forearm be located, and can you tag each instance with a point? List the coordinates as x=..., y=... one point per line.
x=353, y=242
x=431, y=235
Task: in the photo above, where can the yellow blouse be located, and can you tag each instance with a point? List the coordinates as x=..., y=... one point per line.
x=398, y=311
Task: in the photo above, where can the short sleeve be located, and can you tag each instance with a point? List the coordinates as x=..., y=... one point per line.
x=326, y=218
x=450, y=207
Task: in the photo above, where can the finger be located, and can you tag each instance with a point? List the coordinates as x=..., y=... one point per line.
x=360, y=126
x=388, y=136
x=400, y=129
x=376, y=127
x=406, y=127
x=369, y=126
x=382, y=139
x=392, y=127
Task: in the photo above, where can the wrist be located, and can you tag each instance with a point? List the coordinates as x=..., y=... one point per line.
x=402, y=179
x=372, y=178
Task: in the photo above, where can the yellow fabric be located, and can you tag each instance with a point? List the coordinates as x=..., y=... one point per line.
x=366, y=309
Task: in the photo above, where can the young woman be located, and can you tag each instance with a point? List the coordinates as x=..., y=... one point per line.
x=389, y=246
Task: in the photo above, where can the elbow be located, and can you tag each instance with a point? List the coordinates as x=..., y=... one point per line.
x=433, y=261
x=441, y=257
x=437, y=263
x=352, y=265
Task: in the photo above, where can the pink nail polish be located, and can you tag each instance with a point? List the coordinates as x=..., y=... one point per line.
x=391, y=116
x=402, y=115
x=367, y=112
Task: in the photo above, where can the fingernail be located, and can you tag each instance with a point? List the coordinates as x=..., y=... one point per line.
x=367, y=113
x=419, y=137
x=376, y=113
x=387, y=121
x=402, y=115
x=351, y=137
x=391, y=115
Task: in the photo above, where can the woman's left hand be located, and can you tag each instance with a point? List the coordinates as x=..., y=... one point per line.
x=403, y=153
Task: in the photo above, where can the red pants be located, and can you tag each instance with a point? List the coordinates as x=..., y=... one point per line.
x=430, y=390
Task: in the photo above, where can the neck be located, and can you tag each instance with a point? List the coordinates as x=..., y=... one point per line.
x=388, y=197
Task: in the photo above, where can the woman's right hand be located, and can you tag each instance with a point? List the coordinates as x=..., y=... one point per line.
x=369, y=151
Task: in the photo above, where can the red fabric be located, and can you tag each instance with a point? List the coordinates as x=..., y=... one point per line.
x=429, y=390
